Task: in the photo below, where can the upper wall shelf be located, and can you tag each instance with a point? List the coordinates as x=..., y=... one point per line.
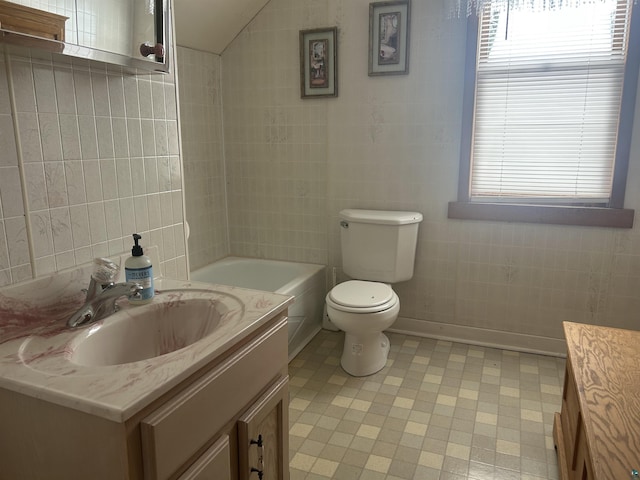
x=16, y=18
x=131, y=34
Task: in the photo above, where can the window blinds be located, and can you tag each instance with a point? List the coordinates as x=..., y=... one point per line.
x=548, y=91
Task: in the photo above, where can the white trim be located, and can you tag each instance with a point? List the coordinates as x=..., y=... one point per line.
x=485, y=337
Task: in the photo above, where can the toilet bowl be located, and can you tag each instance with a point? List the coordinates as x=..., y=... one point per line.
x=363, y=309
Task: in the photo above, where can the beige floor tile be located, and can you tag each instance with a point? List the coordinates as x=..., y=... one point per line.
x=439, y=410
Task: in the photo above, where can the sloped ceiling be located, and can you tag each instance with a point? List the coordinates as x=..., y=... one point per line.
x=211, y=25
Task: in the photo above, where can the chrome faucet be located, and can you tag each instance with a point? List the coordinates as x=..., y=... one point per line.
x=104, y=303
x=103, y=294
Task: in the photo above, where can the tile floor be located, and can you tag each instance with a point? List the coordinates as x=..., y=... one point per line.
x=438, y=410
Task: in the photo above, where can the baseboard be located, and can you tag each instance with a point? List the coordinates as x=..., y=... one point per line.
x=481, y=336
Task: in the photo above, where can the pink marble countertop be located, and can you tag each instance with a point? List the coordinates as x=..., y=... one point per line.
x=36, y=346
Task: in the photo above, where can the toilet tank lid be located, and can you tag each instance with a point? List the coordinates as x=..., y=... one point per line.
x=380, y=217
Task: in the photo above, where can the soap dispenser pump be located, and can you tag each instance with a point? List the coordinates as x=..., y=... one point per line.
x=138, y=269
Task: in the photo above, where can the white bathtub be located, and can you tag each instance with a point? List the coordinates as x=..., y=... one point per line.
x=305, y=281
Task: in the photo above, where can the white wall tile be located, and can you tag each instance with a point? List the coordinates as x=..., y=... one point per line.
x=120, y=138
x=158, y=94
x=151, y=174
x=79, y=215
x=45, y=265
x=100, y=93
x=65, y=260
x=64, y=90
x=62, y=230
x=132, y=105
x=138, y=181
x=36, y=186
x=97, y=223
x=154, y=211
x=145, y=101
x=8, y=155
x=24, y=91
x=30, y=137
x=164, y=174
x=127, y=216
x=112, y=219
x=123, y=175
x=116, y=95
x=4, y=251
x=17, y=241
x=148, y=138
x=109, y=179
x=88, y=137
x=70, y=137
x=105, y=137
x=84, y=95
x=50, y=136
x=134, y=136
x=56, y=184
x=11, y=192
x=5, y=103
x=45, y=89
x=141, y=213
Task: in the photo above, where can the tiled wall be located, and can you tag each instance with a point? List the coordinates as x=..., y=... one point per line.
x=276, y=146
x=393, y=143
x=100, y=156
x=202, y=148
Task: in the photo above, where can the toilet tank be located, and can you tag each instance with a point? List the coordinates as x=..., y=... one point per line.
x=379, y=245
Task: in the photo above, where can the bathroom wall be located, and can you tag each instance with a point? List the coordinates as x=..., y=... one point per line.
x=393, y=143
x=88, y=156
x=276, y=145
x=202, y=148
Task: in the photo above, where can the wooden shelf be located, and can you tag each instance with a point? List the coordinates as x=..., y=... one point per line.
x=36, y=27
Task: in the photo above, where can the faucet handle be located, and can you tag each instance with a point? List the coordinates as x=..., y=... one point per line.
x=105, y=270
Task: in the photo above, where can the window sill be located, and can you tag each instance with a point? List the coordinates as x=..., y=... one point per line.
x=547, y=214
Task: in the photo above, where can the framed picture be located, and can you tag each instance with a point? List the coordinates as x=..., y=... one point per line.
x=319, y=62
x=389, y=37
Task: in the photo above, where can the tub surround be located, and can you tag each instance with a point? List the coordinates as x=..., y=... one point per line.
x=36, y=345
x=304, y=281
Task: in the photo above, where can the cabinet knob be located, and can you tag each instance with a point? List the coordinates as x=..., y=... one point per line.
x=157, y=50
x=260, y=444
x=257, y=442
x=259, y=472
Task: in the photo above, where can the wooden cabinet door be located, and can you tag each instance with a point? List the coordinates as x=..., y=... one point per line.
x=263, y=436
x=214, y=464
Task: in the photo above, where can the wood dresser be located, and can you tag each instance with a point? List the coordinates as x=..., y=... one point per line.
x=597, y=432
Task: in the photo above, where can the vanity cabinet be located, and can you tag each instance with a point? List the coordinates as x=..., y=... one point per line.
x=226, y=422
x=597, y=431
x=183, y=426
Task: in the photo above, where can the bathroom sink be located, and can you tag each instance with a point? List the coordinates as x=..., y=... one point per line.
x=174, y=320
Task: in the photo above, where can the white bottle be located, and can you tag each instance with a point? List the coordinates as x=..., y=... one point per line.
x=137, y=268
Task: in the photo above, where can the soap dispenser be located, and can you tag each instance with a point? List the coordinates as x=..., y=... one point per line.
x=138, y=268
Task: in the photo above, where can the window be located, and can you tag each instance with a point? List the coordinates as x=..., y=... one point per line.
x=548, y=113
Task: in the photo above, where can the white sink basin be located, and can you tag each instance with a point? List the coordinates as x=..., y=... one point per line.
x=175, y=320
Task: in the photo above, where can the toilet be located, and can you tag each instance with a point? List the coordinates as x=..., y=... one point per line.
x=378, y=249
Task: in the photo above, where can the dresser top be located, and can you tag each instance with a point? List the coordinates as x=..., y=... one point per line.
x=606, y=364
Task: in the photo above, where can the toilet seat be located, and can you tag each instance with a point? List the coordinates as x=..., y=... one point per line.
x=360, y=296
